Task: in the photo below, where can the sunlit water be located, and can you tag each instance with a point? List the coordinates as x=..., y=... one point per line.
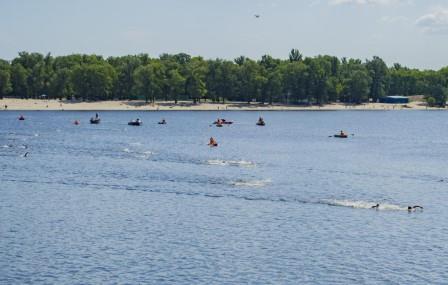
x=284, y=203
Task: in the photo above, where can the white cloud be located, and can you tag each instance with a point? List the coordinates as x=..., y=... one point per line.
x=393, y=19
x=367, y=2
x=434, y=22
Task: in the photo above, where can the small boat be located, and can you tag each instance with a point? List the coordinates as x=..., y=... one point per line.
x=341, y=135
x=222, y=122
x=213, y=145
x=135, y=123
x=21, y=118
x=95, y=120
x=344, y=136
x=163, y=122
x=219, y=125
x=261, y=122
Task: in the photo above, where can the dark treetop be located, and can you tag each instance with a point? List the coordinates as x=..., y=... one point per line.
x=297, y=80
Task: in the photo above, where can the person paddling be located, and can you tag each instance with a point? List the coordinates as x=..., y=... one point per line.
x=377, y=206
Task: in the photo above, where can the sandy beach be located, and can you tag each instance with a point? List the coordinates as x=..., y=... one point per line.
x=65, y=105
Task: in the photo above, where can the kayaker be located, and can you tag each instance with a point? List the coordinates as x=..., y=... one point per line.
x=377, y=206
x=342, y=133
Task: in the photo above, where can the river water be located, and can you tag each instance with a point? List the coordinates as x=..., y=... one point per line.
x=280, y=204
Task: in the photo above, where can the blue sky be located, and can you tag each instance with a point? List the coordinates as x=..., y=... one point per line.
x=411, y=32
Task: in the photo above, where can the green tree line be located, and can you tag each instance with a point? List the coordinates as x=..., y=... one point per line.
x=296, y=80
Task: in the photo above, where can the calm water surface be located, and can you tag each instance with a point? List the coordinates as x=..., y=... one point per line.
x=282, y=204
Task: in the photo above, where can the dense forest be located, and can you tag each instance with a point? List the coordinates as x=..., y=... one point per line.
x=296, y=80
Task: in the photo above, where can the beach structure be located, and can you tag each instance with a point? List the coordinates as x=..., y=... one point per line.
x=394, y=100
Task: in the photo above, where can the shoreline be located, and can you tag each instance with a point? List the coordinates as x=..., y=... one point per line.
x=64, y=105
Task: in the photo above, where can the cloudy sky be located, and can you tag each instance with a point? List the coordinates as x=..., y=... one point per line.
x=411, y=32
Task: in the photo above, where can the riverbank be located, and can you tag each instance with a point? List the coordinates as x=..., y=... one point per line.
x=66, y=105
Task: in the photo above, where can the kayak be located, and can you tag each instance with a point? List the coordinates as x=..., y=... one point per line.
x=219, y=125
x=213, y=145
x=261, y=123
x=95, y=121
x=341, y=136
x=162, y=123
x=21, y=118
x=135, y=123
x=223, y=122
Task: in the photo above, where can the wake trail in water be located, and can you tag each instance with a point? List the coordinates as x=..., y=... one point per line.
x=251, y=183
x=238, y=163
x=354, y=204
x=364, y=205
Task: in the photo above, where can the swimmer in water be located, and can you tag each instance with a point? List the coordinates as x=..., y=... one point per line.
x=377, y=206
x=410, y=209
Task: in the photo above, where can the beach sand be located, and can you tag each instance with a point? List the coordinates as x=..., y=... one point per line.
x=65, y=105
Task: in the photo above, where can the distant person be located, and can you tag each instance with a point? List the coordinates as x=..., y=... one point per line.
x=376, y=207
x=6, y=106
x=212, y=142
x=96, y=116
x=414, y=208
x=342, y=133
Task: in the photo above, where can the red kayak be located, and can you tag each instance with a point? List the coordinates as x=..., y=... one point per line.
x=223, y=122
